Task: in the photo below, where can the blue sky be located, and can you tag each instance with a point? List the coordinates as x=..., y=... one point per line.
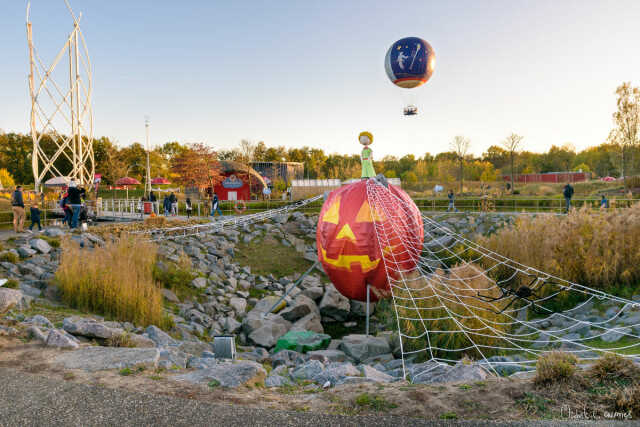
x=297, y=73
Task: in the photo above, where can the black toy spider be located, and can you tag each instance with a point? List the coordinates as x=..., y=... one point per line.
x=523, y=292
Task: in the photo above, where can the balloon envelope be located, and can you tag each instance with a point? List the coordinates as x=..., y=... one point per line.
x=347, y=242
x=410, y=62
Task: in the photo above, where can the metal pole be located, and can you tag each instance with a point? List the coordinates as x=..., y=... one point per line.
x=368, y=300
x=147, y=186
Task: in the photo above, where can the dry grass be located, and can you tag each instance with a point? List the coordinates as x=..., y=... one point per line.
x=555, y=366
x=479, y=324
x=114, y=280
x=628, y=400
x=597, y=249
x=122, y=340
x=612, y=367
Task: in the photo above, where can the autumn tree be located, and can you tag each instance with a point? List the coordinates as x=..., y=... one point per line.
x=626, y=134
x=512, y=144
x=460, y=146
x=197, y=166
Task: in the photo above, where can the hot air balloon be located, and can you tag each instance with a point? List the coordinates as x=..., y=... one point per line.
x=348, y=246
x=409, y=63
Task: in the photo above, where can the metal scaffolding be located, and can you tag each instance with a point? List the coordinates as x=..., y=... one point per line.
x=56, y=111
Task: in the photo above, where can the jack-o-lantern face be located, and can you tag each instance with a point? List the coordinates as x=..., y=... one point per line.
x=348, y=246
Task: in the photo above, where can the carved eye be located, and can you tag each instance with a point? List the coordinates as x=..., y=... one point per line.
x=332, y=215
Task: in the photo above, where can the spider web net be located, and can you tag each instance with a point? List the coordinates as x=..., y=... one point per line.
x=464, y=300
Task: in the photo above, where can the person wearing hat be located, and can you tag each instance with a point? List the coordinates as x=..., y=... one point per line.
x=366, y=138
x=17, y=206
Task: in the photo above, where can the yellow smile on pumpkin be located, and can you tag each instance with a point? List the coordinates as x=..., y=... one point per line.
x=345, y=261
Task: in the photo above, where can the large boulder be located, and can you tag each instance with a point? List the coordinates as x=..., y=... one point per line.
x=59, y=339
x=265, y=304
x=302, y=341
x=337, y=373
x=227, y=374
x=361, y=347
x=40, y=245
x=158, y=336
x=432, y=372
x=268, y=334
x=89, y=328
x=375, y=375
x=308, y=370
x=199, y=283
x=239, y=305
x=299, y=308
x=334, y=304
x=310, y=322
x=331, y=355
x=102, y=358
x=9, y=298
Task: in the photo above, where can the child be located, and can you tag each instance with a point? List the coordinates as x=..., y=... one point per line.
x=35, y=217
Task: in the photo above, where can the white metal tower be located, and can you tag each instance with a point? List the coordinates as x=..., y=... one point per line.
x=147, y=184
x=62, y=116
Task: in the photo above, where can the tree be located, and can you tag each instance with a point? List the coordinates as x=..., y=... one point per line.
x=247, y=151
x=197, y=166
x=6, y=180
x=460, y=146
x=627, y=120
x=512, y=144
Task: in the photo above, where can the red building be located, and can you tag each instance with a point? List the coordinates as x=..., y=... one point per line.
x=551, y=177
x=235, y=185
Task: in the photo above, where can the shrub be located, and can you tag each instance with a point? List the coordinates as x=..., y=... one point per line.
x=54, y=242
x=555, y=366
x=122, y=340
x=114, y=280
x=377, y=403
x=597, y=249
x=628, y=400
x=9, y=257
x=12, y=284
x=613, y=367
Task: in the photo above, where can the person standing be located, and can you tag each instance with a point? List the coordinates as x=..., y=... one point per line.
x=74, y=200
x=35, y=217
x=604, y=203
x=188, y=207
x=174, y=204
x=452, y=206
x=568, y=194
x=215, y=206
x=166, y=205
x=17, y=206
x=152, y=199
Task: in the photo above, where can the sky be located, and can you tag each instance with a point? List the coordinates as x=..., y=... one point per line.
x=311, y=73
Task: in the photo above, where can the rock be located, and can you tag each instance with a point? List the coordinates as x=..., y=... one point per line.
x=53, y=232
x=361, y=347
x=25, y=251
x=60, y=340
x=255, y=320
x=299, y=308
x=101, y=358
x=158, y=336
x=284, y=358
x=227, y=374
x=170, y=296
x=140, y=341
x=172, y=358
x=314, y=292
x=275, y=380
x=9, y=298
x=375, y=375
x=432, y=372
x=265, y=304
x=302, y=341
x=40, y=245
x=201, y=363
x=614, y=335
x=197, y=348
x=308, y=370
x=199, y=283
x=268, y=334
x=239, y=305
x=359, y=308
x=337, y=373
x=40, y=320
x=89, y=328
x=334, y=304
x=36, y=333
x=331, y=355
x=231, y=325
x=310, y=322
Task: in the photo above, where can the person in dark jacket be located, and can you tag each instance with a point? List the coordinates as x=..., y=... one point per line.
x=35, y=217
x=604, y=203
x=568, y=194
x=66, y=209
x=215, y=206
x=17, y=206
x=174, y=204
x=152, y=199
x=452, y=205
x=166, y=205
x=188, y=207
x=74, y=200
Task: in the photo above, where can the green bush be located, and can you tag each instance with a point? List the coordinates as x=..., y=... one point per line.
x=9, y=257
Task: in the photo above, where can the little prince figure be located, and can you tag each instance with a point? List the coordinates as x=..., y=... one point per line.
x=366, y=139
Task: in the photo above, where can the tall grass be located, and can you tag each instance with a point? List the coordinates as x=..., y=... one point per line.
x=114, y=280
x=597, y=249
x=445, y=297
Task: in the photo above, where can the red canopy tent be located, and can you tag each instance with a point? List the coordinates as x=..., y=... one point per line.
x=160, y=181
x=126, y=182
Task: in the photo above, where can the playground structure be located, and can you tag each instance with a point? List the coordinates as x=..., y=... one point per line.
x=63, y=115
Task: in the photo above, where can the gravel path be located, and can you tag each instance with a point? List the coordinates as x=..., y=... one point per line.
x=32, y=400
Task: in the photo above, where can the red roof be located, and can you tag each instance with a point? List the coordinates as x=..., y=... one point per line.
x=127, y=181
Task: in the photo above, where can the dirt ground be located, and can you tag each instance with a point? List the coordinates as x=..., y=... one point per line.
x=496, y=399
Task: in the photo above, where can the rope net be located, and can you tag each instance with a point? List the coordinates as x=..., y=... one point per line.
x=459, y=300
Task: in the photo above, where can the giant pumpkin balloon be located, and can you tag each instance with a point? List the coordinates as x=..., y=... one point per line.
x=348, y=246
